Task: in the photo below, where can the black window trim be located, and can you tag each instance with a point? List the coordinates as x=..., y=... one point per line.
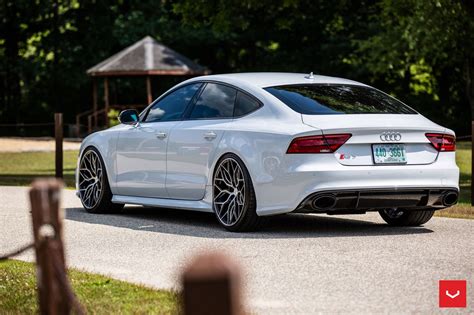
x=338, y=84
x=188, y=111
x=144, y=114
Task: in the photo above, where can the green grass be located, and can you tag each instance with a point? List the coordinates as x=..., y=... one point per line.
x=19, y=169
x=22, y=168
x=463, y=159
x=98, y=294
x=463, y=209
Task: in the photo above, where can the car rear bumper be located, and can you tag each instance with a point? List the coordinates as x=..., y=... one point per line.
x=307, y=176
x=349, y=201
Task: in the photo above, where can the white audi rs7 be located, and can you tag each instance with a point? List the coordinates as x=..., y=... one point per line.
x=249, y=145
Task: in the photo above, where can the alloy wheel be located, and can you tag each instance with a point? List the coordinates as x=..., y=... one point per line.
x=90, y=179
x=229, y=192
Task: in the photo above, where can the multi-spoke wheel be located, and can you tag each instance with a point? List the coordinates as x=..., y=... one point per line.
x=400, y=217
x=94, y=190
x=90, y=179
x=233, y=195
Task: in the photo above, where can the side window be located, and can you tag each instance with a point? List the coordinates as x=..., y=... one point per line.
x=216, y=101
x=245, y=104
x=172, y=106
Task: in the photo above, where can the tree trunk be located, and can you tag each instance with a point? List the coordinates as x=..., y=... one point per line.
x=469, y=72
x=12, y=34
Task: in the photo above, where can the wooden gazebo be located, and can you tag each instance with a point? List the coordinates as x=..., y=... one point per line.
x=145, y=58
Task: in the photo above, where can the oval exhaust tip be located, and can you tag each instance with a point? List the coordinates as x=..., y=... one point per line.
x=450, y=199
x=324, y=202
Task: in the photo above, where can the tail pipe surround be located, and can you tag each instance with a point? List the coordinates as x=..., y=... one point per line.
x=450, y=198
x=324, y=202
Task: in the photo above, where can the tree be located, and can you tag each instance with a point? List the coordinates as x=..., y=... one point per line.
x=424, y=48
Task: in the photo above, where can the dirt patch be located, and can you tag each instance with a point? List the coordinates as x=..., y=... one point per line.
x=34, y=145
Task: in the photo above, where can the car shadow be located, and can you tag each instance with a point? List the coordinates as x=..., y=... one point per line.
x=198, y=224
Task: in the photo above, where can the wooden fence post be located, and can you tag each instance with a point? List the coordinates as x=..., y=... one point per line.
x=89, y=124
x=58, y=135
x=47, y=232
x=211, y=285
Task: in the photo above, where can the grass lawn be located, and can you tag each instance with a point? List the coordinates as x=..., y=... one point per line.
x=463, y=209
x=98, y=294
x=22, y=168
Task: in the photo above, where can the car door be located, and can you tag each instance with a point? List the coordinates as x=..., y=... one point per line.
x=141, y=149
x=193, y=142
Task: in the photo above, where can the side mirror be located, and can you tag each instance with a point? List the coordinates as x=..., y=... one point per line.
x=128, y=117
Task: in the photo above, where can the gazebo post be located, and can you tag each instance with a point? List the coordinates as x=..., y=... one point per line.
x=149, y=96
x=106, y=100
x=94, y=101
x=143, y=59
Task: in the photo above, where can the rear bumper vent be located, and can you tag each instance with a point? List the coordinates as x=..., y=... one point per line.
x=376, y=199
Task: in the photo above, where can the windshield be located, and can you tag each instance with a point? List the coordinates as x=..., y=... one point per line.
x=314, y=99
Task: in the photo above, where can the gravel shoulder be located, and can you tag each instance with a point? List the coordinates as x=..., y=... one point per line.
x=34, y=145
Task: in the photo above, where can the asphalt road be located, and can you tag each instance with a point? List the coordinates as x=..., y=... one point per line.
x=297, y=264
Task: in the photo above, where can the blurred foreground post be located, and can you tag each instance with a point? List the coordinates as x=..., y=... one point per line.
x=54, y=291
x=472, y=163
x=211, y=285
x=58, y=135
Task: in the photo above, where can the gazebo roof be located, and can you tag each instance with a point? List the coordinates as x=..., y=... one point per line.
x=147, y=57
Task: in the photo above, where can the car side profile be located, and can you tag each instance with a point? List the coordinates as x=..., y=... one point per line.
x=249, y=145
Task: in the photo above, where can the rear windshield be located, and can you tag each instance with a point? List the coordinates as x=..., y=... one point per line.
x=314, y=99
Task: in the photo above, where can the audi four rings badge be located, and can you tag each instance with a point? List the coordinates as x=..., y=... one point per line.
x=390, y=136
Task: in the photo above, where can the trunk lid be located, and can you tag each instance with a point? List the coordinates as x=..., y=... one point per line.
x=403, y=131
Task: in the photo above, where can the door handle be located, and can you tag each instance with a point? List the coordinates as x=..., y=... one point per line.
x=161, y=135
x=210, y=135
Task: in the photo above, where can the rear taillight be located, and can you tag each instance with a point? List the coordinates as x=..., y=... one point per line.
x=442, y=142
x=318, y=144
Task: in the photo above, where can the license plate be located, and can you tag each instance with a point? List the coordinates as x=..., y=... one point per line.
x=389, y=153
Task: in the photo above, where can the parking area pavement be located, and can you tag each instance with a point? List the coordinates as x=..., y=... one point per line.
x=296, y=264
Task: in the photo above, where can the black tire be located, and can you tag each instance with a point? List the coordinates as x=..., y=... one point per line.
x=104, y=204
x=407, y=218
x=248, y=220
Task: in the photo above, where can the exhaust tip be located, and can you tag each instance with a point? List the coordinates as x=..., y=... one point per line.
x=324, y=202
x=450, y=198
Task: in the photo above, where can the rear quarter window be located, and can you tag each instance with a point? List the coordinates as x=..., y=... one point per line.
x=314, y=99
x=244, y=104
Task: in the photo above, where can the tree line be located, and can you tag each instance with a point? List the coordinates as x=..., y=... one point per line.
x=421, y=51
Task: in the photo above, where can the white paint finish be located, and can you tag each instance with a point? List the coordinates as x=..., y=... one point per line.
x=191, y=150
x=105, y=142
x=363, y=122
x=141, y=159
x=366, y=130
x=281, y=181
x=266, y=79
x=304, y=174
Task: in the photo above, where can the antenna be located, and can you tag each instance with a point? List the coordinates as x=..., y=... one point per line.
x=310, y=76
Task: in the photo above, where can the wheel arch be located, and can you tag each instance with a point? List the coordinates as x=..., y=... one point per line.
x=247, y=157
x=105, y=144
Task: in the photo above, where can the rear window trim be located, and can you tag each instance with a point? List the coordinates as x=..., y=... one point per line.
x=339, y=84
x=186, y=116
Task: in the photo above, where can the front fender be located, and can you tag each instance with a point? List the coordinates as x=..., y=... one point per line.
x=106, y=143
